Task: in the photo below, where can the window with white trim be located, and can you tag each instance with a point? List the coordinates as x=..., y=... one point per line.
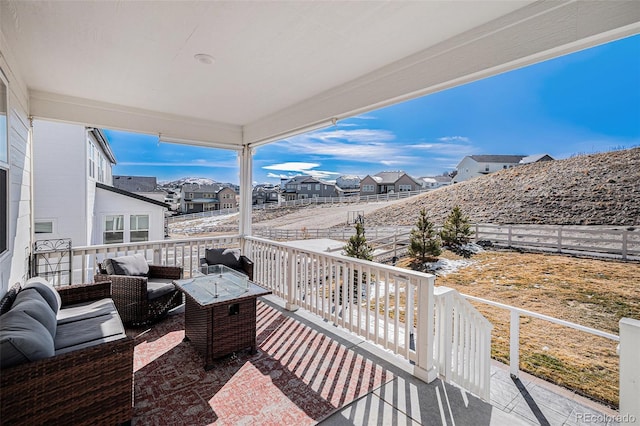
x=92, y=162
x=368, y=188
x=138, y=228
x=404, y=188
x=113, y=229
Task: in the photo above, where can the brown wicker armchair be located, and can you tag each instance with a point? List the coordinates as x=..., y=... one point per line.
x=230, y=258
x=146, y=299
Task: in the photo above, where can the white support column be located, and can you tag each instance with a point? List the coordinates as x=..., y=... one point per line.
x=425, y=369
x=246, y=187
x=514, y=344
x=629, y=370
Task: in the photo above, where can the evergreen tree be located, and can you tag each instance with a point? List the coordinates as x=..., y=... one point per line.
x=456, y=232
x=357, y=246
x=424, y=243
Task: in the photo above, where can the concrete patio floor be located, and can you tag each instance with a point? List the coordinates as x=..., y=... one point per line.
x=400, y=399
x=407, y=400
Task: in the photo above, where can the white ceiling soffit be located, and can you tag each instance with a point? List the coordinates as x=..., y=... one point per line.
x=279, y=67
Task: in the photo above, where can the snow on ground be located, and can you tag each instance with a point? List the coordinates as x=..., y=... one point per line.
x=448, y=266
x=196, y=226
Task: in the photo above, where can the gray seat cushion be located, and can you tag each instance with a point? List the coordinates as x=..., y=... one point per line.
x=227, y=257
x=23, y=339
x=88, y=332
x=31, y=302
x=46, y=290
x=86, y=310
x=135, y=265
x=158, y=287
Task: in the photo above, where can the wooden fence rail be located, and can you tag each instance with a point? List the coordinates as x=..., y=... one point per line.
x=607, y=242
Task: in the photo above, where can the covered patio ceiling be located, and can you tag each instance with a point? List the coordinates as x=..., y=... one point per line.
x=277, y=68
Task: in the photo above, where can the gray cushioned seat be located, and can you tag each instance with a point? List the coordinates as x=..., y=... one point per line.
x=78, y=334
x=85, y=310
x=158, y=287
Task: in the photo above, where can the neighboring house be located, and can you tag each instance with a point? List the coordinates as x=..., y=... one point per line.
x=478, y=165
x=292, y=186
x=264, y=193
x=536, y=158
x=173, y=199
x=196, y=198
x=73, y=195
x=302, y=187
x=348, y=185
x=435, y=182
x=141, y=185
x=388, y=183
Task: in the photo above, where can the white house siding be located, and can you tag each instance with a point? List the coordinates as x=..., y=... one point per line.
x=61, y=191
x=111, y=203
x=13, y=262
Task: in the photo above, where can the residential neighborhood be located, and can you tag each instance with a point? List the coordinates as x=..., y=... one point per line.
x=105, y=208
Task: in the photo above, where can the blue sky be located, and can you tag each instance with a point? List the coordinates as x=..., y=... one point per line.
x=581, y=103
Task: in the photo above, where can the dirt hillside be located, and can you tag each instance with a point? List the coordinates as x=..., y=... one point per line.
x=598, y=189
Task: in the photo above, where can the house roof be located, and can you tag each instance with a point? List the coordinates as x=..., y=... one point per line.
x=534, y=158
x=509, y=159
x=276, y=68
x=196, y=187
x=131, y=195
x=389, y=177
x=136, y=183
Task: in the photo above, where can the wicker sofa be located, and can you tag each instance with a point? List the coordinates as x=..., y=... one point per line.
x=142, y=293
x=82, y=374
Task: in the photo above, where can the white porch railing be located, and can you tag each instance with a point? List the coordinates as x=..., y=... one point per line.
x=389, y=306
x=392, y=307
x=462, y=348
x=184, y=252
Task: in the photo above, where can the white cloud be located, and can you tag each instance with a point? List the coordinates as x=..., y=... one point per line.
x=292, y=166
x=454, y=139
x=357, y=144
x=299, y=168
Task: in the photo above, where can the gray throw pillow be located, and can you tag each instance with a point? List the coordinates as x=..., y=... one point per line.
x=107, y=267
x=34, y=305
x=23, y=339
x=135, y=265
x=227, y=257
x=47, y=291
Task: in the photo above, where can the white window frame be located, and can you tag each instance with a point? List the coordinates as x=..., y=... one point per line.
x=113, y=231
x=368, y=188
x=137, y=227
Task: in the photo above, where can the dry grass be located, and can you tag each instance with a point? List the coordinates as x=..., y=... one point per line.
x=593, y=293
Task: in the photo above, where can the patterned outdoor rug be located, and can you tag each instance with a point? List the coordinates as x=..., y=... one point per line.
x=298, y=377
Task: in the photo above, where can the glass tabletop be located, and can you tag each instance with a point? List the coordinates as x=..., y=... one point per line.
x=218, y=284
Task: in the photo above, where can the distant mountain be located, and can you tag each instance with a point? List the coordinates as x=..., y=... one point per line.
x=178, y=183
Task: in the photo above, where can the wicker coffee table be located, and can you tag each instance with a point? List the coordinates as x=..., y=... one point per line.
x=220, y=312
